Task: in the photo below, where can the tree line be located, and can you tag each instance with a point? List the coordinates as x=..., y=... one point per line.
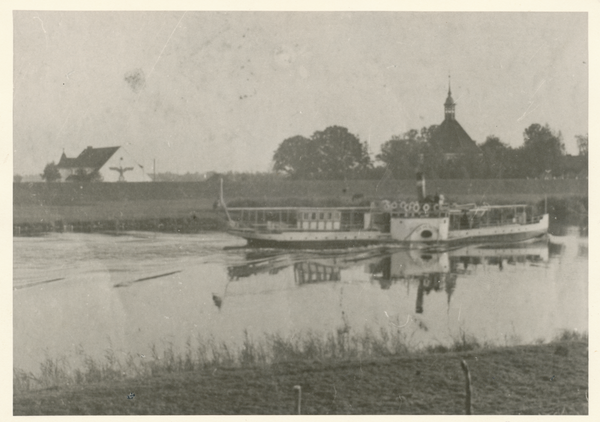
x=335, y=153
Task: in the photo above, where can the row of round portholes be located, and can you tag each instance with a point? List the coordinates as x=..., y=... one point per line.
x=408, y=206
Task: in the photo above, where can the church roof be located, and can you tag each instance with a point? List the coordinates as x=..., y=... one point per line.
x=90, y=157
x=449, y=99
x=451, y=138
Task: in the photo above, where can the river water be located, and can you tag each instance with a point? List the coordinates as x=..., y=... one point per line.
x=128, y=293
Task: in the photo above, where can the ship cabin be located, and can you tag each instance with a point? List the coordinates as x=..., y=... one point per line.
x=300, y=219
x=471, y=216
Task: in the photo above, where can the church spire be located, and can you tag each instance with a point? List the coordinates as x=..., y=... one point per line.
x=449, y=104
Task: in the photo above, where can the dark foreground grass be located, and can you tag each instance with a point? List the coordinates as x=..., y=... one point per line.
x=535, y=379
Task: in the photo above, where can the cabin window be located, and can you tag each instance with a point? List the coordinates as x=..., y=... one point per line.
x=313, y=216
x=321, y=216
x=329, y=216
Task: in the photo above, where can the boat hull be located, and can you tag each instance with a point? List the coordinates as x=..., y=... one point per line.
x=504, y=234
x=347, y=239
x=313, y=240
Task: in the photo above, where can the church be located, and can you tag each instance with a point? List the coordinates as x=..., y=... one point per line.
x=450, y=137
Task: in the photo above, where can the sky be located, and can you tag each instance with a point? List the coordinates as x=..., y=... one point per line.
x=219, y=91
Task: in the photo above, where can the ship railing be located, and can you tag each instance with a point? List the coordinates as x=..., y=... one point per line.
x=496, y=222
x=420, y=214
x=279, y=227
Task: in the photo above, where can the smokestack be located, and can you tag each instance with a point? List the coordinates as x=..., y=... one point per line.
x=420, y=186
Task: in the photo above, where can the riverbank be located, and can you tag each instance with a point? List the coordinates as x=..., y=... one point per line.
x=188, y=216
x=533, y=379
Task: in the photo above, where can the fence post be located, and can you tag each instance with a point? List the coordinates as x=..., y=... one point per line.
x=468, y=389
x=298, y=398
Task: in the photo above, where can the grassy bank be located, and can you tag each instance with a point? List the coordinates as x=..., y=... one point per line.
x=372, y=374
x=37, y=202
x=188, y=207
x=187, y=216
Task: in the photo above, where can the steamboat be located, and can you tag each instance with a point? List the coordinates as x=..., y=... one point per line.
x=426, y=221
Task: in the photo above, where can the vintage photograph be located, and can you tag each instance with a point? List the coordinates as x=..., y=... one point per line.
x=300, y=212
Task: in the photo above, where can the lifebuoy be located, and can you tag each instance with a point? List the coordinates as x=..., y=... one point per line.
x=414, y=206
x=407, y=207
x=426, y=208
x=402, y=205
x=436, y=207
x=385, y=204
x=394, y=205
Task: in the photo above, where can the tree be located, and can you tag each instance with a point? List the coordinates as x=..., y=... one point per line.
x=51, y=173
x=339, y=153
x=496, y=157
x=542, y=150
x=82, y=176
x=404, y=154
x=294, y=156
x=582, y=144
x=333, y=153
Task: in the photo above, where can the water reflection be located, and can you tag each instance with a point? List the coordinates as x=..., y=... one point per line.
x=430, y=271
x=76, y=290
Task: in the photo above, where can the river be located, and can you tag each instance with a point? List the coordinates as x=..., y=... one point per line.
x=84, y=294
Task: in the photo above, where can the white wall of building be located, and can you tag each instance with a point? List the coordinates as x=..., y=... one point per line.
x=122, y=159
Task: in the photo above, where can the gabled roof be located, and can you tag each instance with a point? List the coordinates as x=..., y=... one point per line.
x=451, y=138
x=90, y=157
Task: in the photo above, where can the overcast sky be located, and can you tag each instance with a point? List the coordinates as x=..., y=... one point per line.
x=202, y=91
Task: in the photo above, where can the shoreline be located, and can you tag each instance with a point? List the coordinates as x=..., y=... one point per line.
x=550, y=378
x=181, y=225
x=181, y=217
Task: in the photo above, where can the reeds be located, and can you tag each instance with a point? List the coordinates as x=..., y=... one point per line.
x=209, y=354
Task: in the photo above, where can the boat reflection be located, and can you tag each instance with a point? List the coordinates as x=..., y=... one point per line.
x=430, y=270
x=440, y=271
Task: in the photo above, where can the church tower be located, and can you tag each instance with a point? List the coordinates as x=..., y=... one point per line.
x=449, y=105
x=449, y=137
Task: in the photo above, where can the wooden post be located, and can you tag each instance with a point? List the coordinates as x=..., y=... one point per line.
x=298, y=399
x=468, y=389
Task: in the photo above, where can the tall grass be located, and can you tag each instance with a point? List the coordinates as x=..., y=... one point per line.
x=340, y=345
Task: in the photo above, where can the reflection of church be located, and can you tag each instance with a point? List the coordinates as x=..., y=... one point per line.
x=440, y=271
x=430, y=271
x=434, y=282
